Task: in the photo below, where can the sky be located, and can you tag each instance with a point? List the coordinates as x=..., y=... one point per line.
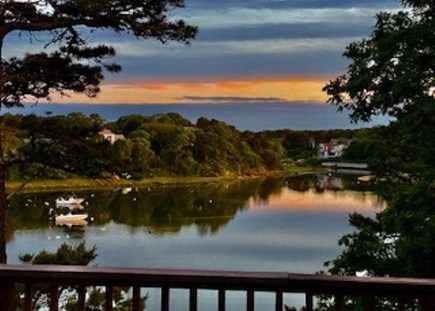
x=246, y=51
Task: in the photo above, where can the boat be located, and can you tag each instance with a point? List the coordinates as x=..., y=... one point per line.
x=69, y=201
x=70, y=217
x=366, y=178
x=71, y=223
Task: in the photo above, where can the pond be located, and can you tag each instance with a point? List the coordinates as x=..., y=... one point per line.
x=272, y=224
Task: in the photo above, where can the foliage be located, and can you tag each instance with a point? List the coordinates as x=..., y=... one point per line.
x=75, y=64
x=159, y=145
x=75, y=255
x=392, y=73
x=64, y=255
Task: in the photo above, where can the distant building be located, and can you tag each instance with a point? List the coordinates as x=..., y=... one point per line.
x=110, y=136
x=332, y=149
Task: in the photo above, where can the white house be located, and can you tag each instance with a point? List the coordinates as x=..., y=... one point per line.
x=331, y=150
x=110, y=136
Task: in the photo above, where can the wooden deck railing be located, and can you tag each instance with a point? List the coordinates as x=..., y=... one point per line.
x=402, y=289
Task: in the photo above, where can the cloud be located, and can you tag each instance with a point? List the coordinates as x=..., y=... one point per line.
x=234, y=17
x=289, y=3
x=233, y=99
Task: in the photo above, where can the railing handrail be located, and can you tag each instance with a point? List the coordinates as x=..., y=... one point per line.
x=206, y=279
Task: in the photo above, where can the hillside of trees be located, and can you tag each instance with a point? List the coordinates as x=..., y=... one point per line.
x=159, y=145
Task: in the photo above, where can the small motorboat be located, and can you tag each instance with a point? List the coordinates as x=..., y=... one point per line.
x=69, y=201
x=70, y=217
x=71, y=223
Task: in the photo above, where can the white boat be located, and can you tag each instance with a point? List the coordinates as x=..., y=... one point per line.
x=70, y=217
x=70, y=223
x=69, y=201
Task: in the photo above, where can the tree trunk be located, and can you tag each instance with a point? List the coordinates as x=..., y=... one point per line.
x=3, y=205
x=3, y=197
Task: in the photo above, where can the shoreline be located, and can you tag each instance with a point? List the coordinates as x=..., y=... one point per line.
x=49, y=185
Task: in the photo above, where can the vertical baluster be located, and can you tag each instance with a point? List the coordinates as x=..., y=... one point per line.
x=193, y=299
x=426, y=303
x=309, y=301
x=109, y=298
x=369, y=303
x=278, y=301
x=165, y=299
x=28, y=297
x=221, y=298
x=136, y=298
x=339, y=302
x=82, y=298
x=402, y=304
x=250, y=300
x=7, y=295
x=54, y=299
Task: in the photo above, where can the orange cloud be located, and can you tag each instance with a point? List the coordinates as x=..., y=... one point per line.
x=161, y=92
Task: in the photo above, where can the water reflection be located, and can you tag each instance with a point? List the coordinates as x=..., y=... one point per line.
x=209, y=208
x=270, y=224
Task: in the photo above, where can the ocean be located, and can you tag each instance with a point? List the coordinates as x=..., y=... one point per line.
x=247, y=116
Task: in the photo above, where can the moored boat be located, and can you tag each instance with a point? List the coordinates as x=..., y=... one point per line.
x=70, y=217
x=69, y=201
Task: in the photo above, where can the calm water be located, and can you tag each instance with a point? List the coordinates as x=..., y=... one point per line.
x=280, y=224
x=248, y=116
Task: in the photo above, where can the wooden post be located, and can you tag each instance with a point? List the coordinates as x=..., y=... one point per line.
x=193, y=299
x=28, y=297
x=250, y=300
x=222, y=300
x=136, y=298
x=7, y=295
x=309, y=301
x=109, y=298
x=165, y=299
x=54, y=299
x=427, y=303
x=278, y=301
x=82, y=298
x=339, y=302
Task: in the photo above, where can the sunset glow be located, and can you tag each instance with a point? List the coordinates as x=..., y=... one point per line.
x=224, y=91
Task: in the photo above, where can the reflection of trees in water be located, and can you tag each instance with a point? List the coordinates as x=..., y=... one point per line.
x=161, y=209
x=168, y=209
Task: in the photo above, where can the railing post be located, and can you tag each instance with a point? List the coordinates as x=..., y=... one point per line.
x=109, y=298
x=309, y=301
x=221, y=298
x=165, y=298
x=427, y=303
x=250, y=300
x=136, y=298
x=82, y=298
x=28, y=297
x=7, y=295
x=339, y=302
x=54, y=299
x=193, y=299
x=278, y=301
x=402, y=304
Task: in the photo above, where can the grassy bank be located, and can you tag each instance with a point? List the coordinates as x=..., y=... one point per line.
x=85, y=183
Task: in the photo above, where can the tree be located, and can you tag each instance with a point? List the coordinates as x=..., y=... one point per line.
x=392, y=71
x=72, y=64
